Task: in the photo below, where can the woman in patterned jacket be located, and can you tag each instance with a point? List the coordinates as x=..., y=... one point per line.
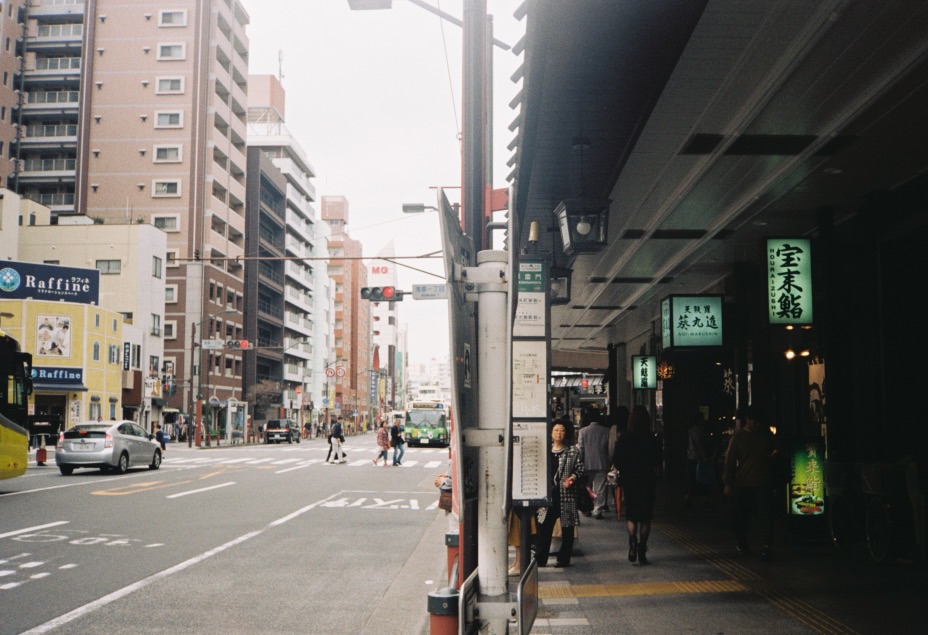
x=568, y=473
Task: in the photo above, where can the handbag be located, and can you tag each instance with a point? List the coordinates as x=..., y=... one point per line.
x=444, y=500
x=614, y=478
x=584, y=499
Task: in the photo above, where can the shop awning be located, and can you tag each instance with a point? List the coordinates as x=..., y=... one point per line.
x=576, y=381
x=51, y=387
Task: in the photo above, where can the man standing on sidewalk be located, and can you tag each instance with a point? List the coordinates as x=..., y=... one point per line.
x=749, y=476
x=594, y=448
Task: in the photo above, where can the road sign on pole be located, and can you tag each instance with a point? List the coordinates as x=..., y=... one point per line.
x=429, y=291
x=212, y=345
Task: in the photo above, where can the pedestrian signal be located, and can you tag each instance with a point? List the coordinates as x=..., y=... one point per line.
x=381, y=294
x=238, y=344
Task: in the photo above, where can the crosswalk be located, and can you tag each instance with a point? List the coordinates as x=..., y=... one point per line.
x=429, y=458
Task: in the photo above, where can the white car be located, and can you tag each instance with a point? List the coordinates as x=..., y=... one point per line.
x=108, y=445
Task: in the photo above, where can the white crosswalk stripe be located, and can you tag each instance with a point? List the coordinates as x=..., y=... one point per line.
x=297, y=462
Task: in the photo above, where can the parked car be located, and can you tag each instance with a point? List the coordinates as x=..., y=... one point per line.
x=108, y=445
x=277, y=430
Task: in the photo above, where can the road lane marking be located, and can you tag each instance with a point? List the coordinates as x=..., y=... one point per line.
x=36, y=528
x=137, y=488
x=203, y=489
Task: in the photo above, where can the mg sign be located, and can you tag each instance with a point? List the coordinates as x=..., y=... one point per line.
x=380, y=269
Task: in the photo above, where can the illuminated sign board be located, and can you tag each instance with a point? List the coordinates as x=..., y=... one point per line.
x=691, y=321
x=644, y=371
x=807, y=482
x=789, y=281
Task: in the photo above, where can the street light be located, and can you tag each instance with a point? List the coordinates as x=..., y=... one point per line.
x=195, y=396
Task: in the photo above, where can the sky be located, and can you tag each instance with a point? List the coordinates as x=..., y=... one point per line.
x=374, y=99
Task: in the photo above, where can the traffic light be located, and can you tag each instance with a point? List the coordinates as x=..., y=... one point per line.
x=381, y=294
x=238, y=344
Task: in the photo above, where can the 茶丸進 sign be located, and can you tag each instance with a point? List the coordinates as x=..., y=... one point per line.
x=691, y=320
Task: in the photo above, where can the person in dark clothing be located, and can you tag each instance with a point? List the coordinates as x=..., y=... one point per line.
x=159, y=437
x=335, y=443
x=397, y=442
x=638, y=459
x=568, y=470
x=748, y=474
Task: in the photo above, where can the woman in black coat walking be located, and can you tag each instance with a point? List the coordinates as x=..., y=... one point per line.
x=637, y=457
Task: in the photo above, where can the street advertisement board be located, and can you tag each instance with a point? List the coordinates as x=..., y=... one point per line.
x=807, y=479
x=49, y=282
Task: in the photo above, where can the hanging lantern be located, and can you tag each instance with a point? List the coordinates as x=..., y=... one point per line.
x=665, y=369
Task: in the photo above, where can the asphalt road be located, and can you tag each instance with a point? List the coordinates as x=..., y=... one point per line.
x=244, y=539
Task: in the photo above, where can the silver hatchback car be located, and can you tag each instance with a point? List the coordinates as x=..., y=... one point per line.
x=108, y=445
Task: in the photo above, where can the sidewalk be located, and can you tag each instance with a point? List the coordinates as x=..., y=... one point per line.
x=697, y=582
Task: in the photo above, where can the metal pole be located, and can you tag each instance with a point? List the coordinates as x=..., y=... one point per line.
x=473, y=110
x=492, y=417
x=204, y=393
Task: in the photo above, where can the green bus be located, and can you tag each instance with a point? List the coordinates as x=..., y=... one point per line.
x=427, y=423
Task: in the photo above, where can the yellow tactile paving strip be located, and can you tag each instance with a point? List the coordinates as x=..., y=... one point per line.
x=557, y=591
x=741, y=580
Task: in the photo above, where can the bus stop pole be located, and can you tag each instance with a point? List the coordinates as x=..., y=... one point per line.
x=492, y=422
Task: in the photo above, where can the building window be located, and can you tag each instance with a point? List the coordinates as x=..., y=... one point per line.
x=166, y=223
x=96, y=351
x=156, y=267
x=169, y=86
x=169, y=328
x=170, y=294
x=114, y=354
x=172, y=18
x=155, y=324
x=167, y=154
x=172, y=51
x=169, y=119
x=96, y=320
x=165, y=188
x=109, y=267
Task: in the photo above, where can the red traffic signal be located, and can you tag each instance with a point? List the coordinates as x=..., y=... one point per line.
x=381, y=294
x=238, y=344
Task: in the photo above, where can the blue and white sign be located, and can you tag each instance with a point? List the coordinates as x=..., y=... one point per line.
x=64, y=376
x=49, y=282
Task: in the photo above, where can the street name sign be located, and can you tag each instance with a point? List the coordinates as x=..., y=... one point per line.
x=429, y=291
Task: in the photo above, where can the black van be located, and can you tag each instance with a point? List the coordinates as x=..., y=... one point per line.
x=277, y=430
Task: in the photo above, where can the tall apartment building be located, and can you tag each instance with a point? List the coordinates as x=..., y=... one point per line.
x=385, y=321
x=351, y=393
x=301, y=271
x=136, y=111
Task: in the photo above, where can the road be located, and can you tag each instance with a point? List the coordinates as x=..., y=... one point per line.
x=243, y=539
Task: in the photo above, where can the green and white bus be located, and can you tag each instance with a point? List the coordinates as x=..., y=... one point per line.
x=427, y=423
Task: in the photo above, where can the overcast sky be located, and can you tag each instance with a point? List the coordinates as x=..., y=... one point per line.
x=374, y=98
